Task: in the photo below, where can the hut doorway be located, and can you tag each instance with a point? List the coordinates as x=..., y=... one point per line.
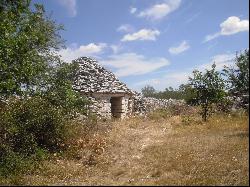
x=116, y=106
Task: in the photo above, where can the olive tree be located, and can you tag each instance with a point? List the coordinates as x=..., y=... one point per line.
x=208, y=89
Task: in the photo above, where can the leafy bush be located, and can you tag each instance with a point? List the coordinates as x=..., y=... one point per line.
x=225, y=105
x=29, y=128
x=61, y=93
x=238, y=75
x=39, y=121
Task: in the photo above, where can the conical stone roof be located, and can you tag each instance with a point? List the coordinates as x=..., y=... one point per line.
x=93, y=78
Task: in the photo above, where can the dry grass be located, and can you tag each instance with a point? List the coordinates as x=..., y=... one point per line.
x=177, y=150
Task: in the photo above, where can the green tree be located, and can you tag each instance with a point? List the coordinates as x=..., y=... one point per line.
x=29, y=64
x=60, y=92
x=148, y=91
x=28, y=41
x=39, y=120
x=187, y=93
x=209, y=89
x=170, y=88
x=238, y=77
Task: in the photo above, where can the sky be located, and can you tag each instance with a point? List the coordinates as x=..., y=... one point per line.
x=152, y=42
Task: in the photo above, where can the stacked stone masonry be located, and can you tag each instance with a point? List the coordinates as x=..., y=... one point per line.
x=110, y=97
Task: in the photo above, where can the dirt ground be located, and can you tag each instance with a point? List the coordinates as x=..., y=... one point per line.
x=142, y=151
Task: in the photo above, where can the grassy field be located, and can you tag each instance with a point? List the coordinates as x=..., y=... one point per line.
x=157, y=150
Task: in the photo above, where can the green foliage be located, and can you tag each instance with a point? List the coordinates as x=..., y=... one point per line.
x=169, y=93
x=238, y=77
x=13, y=163
x=30, y=127
x=28, y=40
x=225, y=105
x=185, y=91
x=31, y=123
x=61, y=94
x=35, y=125
x=37, y=100
x=148, y=91
x=209, y=88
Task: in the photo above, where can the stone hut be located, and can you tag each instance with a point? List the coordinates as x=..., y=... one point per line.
x=110, y=97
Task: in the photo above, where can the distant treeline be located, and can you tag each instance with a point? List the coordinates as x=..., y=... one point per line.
x=211, y=86
x=184, y=91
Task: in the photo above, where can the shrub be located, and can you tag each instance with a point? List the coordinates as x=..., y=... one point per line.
x=225, y=105
x=29, y=128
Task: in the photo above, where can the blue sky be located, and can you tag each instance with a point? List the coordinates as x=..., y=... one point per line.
x=155, y=42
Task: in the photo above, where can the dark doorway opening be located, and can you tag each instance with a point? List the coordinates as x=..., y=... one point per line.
x=116, y=106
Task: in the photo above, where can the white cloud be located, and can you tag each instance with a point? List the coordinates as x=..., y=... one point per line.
x=116, y=48
x=125, y=28
x=143, y=34
x=193, y=17
x=127, y=64
x=70, y=5
x=159, y=11
x=132, y=10
x=151, y=82
x=234, y=25
x=179, y=49
x=175, y=79
x=220, y=61
x=211, y=37
x=231, y=25
x=74, y=52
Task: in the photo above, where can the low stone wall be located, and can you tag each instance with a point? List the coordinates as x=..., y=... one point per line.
x=139, y=105
x=143, y=105
x=135, y=105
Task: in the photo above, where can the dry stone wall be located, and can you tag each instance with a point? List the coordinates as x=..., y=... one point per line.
x=101, y=106
x=109, y=96
x=144, y=105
